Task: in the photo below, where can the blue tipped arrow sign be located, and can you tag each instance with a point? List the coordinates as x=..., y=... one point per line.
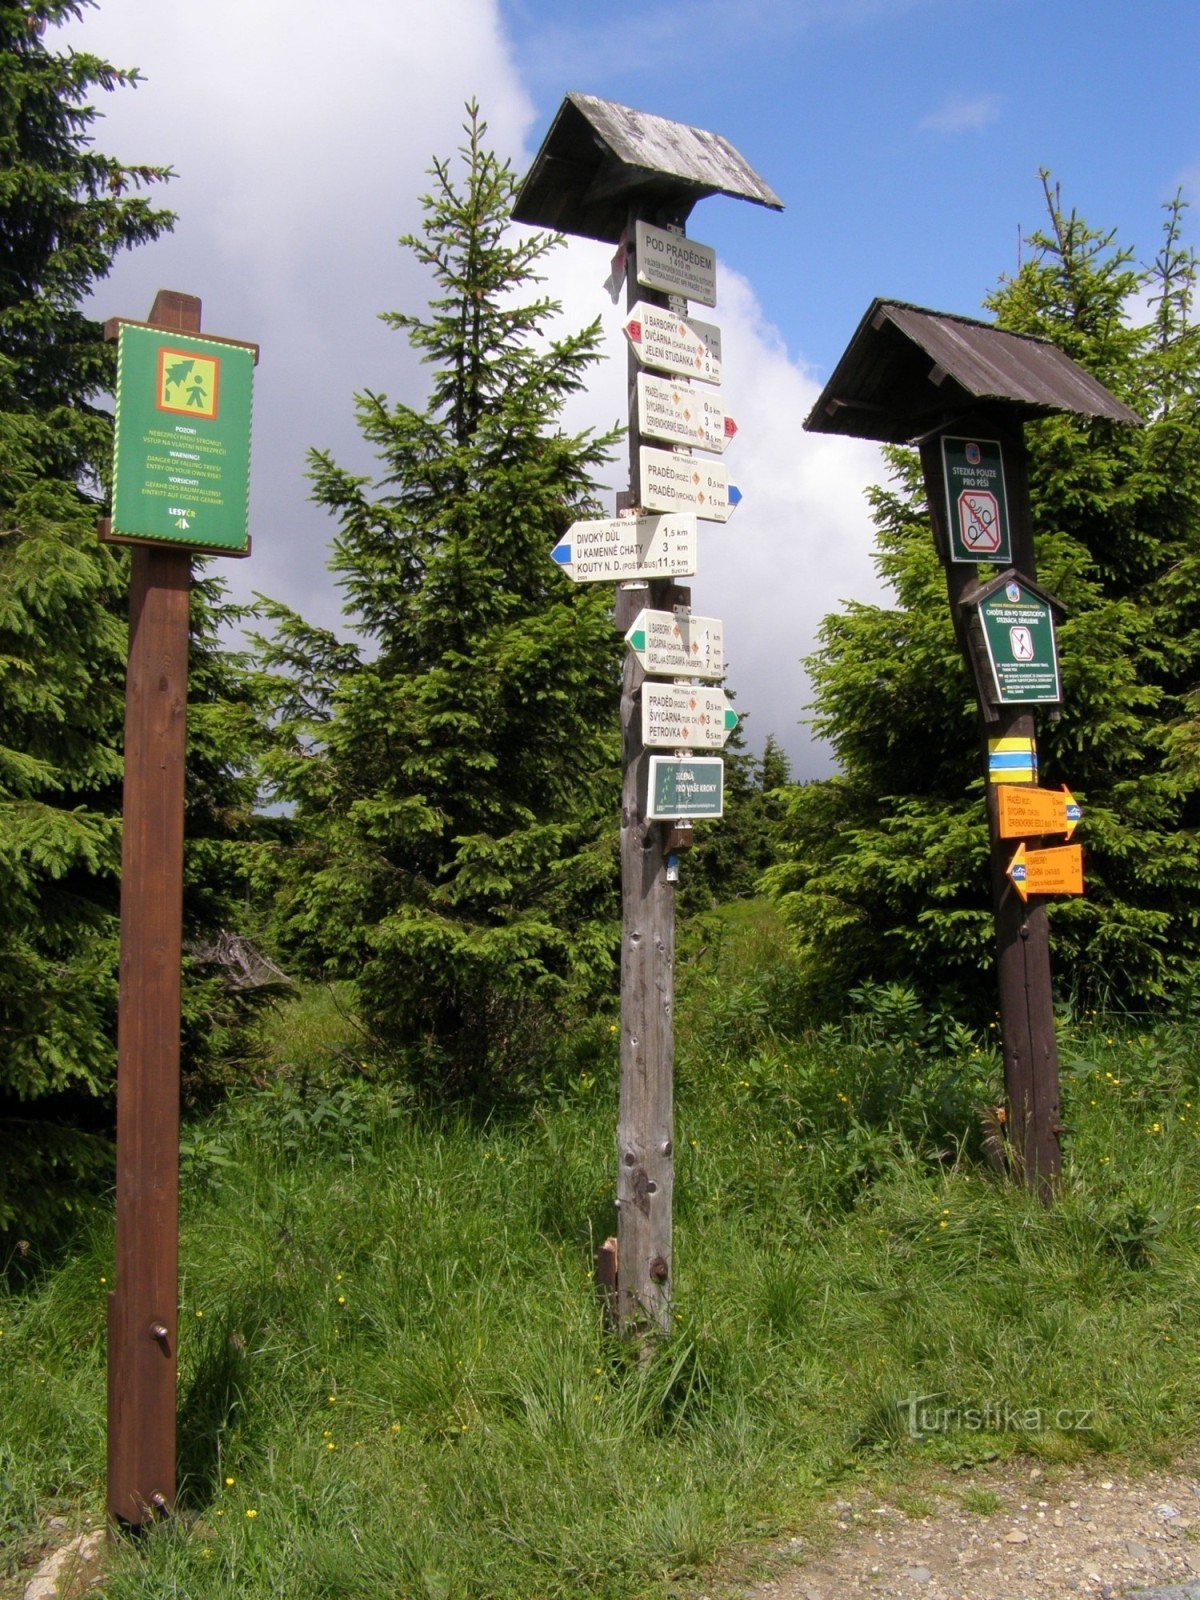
x=610, y=549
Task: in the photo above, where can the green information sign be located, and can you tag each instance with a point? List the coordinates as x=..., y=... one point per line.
x=685, y=786
x=976, y=500
x=1018, y=630
x=181, y=467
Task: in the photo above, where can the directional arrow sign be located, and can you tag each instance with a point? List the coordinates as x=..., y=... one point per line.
x=1025, y=811
x=683, y=413
x=674, y=646
x=679, y=265
x=680, y=717
x=673, y=482
x=613, y=548
x=1058, y=871
x=660, y=339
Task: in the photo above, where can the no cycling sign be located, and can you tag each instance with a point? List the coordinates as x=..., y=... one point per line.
x=976, y=500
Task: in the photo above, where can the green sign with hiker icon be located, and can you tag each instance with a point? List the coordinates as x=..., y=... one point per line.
x=181, y=467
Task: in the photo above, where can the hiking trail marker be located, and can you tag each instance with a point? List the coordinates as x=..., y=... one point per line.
x=961, y=389
x=1055, y=871
x=670, y=644
x=181, y=482
x=679, y=412
x=613, y=549
x=630, y=179
x=659, y=338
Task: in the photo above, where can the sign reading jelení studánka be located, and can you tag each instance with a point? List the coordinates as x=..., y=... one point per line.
x=181, y=466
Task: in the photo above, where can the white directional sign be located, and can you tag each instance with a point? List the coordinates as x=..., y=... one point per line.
x=612, y=548
x=673, y=645
x=683, y=413
x=679, y=266
x=673, y=482
x=680, y=716
x=674, y=344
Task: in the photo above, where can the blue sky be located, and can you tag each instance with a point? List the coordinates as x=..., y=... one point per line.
x=905, y=137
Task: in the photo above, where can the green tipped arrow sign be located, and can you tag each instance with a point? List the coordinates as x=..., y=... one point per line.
x=677, y=645
x=680, y=716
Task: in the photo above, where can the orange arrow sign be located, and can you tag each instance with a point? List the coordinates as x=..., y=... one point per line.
x=1025, y=810
x=1058, y=871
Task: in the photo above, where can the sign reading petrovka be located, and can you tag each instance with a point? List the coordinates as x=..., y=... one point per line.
x=1025, y=811
x=683, y=345
x=1018, y=630
x=675, y=264
x=672, y=645
x=976, y=500
x=181, y=458
x=608, y=549
x=672, y=482
x=685, y=786
x=1057, y=871
x=679, y=716
x=683, y=413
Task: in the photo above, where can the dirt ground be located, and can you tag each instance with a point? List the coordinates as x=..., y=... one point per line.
x=1007, y=1531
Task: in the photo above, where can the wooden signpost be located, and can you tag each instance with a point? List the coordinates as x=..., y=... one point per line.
x=181, y=484
x=960, y=389
x=612, y=173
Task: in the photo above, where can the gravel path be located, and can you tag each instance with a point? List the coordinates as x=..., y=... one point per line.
x=1009, y=1531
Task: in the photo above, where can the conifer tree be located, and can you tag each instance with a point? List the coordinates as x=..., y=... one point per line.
x=65, y=212
x=885, y=868
x=454, y=772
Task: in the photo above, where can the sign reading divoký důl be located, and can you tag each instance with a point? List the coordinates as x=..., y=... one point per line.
x=181, y=468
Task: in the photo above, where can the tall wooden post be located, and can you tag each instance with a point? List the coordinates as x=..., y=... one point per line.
x=646, y=1115
x=143, y=1306
x=1031, y=1079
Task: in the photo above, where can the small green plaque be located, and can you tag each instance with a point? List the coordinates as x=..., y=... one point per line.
x=1018, y=630
x=181, y=466
x=685, y=786
x=976, y=500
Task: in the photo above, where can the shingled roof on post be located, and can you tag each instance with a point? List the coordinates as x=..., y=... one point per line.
x=908, y=370
x=599, y=156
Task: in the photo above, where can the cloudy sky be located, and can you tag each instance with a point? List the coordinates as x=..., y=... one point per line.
x=905, y=137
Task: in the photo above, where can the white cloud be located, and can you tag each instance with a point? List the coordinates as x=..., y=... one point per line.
x=302, y=144
x=959, y=115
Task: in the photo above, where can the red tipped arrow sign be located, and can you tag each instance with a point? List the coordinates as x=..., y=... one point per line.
x=683, y=413
x=684, y=345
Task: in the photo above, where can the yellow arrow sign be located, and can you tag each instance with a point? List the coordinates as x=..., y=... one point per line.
x=1025, y=811
x=1058, y=871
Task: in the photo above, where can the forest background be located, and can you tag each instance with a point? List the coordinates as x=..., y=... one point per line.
x=445, y=856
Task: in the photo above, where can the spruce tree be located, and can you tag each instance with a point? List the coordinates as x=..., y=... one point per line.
x=884, y=872
x=454, y=772
x=65, y=212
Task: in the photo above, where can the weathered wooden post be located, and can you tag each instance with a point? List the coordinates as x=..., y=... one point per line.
x=181, y=480
x=610, y=173
x=960, y=389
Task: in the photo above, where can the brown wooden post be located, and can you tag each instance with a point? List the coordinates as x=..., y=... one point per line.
x=1031, y=1080
x=143, y=1306
x=646, y=1115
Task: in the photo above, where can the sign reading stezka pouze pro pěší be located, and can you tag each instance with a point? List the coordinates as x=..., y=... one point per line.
x=181, y=458
x=976, y=500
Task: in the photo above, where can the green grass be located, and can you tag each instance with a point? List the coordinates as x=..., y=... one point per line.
x=390, y=1343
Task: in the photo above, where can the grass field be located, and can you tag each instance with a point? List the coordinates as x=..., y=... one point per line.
x=394, y=1376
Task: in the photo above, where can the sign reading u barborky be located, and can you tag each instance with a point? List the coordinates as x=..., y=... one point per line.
x=181, y=459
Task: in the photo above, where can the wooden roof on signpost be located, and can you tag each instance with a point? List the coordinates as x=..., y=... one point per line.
x=599, y=156
x=907, y=370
